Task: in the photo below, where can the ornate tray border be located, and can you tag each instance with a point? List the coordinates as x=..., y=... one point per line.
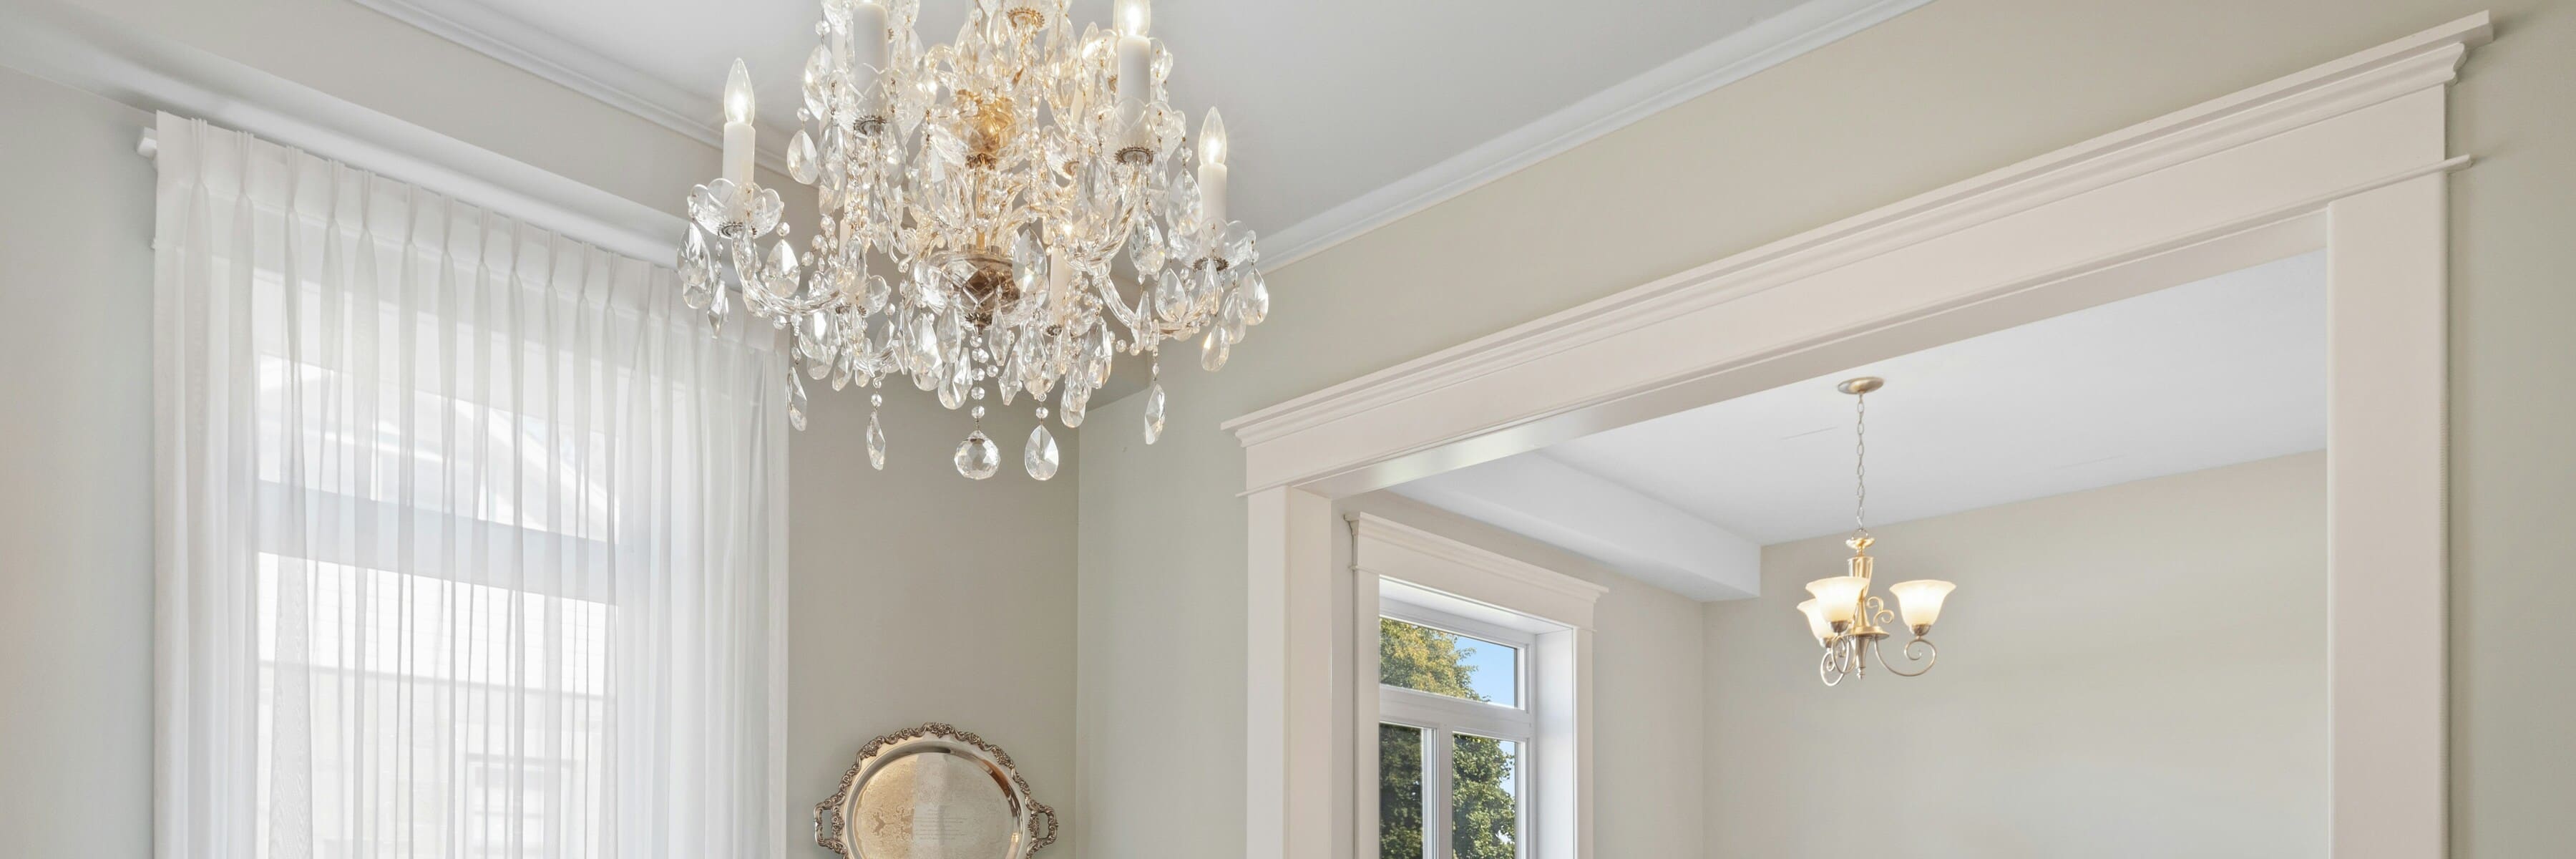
x=830, y=824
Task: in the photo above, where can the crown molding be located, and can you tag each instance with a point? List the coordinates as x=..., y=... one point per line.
x=2426, y=60
x=533, y=50
x=1766, y=43
x=84, y=50
x=1770, y=42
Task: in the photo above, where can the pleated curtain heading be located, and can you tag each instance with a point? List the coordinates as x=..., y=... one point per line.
x=470, y=538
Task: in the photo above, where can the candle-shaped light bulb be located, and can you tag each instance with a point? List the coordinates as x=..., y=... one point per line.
x=1212, y=139
x=739, y=138
x=1135, y=18
x=1135, y=59
x=1212, y=169
x=738, y=103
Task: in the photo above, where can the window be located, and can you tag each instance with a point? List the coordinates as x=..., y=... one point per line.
x=470, y=541
x=1473, y=748
x=1450, y=737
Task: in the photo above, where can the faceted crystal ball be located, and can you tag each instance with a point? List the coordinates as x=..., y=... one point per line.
x=978, y=457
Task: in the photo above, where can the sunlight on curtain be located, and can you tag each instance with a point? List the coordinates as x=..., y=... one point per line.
x=470, y=541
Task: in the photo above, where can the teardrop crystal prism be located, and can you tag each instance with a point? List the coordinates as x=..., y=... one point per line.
x=795, y=401
x=818, y=78
x=802, y=160
x=1256, y=297
x=717, y=304
x=924, y=340
x=1041, y=454
x=876, y=442
x=697, y=270
x=1077, y=403
x=977, y=456
x=1154, y=413
x=780, y=277
x=1171, y=298
x=1229, y=317
x=1212, y=351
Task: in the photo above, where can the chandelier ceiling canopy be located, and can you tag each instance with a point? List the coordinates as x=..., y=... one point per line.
x=1843, y=616
x=974, y=196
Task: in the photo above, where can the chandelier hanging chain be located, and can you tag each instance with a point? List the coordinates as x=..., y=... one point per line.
x=973, y=199
x=1860, y=463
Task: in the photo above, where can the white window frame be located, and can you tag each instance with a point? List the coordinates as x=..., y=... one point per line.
x=1442, y=718
x=1414, y=576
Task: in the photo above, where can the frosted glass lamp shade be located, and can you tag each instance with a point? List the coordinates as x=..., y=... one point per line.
x=1920, y=600
x=1838, y=597
x=1817, y=625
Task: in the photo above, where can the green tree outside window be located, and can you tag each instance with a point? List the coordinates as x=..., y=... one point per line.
x=1485, y=813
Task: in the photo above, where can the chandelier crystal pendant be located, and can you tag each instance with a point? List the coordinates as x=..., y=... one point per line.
x=974, y=196
x=1843, y=616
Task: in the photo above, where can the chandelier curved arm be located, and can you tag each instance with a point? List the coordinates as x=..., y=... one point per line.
x=1928, y=657
x=1132, y=317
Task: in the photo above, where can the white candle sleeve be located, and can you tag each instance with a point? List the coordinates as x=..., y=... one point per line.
x=1135, y=70
x=867, y=38
x=1212, y=193
x=739, y=138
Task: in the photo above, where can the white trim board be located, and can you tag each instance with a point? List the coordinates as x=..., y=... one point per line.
x=1408, y=554
x=581, y=70
x=2350, y=157
x=1769, y=42
x=2426, y=59
x=1766, y=43
x=78, y=49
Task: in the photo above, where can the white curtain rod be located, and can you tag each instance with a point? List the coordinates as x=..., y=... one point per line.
x=80, y=48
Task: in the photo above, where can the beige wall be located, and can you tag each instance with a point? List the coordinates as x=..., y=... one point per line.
x=2132, y=671
x=1935, y=96
x=919, y=595
x=364, y=57
x=75, y=476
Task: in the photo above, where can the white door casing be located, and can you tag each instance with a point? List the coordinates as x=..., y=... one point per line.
x=2349, y=156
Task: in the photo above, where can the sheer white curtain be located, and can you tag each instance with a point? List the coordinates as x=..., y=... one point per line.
x=470, y=536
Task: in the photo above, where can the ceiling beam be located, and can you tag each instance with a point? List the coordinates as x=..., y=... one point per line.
x=1544, y=499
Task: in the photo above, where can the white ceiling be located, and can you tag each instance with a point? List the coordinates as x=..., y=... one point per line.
x=1343, y=113
x=2226, y=370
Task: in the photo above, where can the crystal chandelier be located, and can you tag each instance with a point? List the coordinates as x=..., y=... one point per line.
x=974, y=196
x=1844, y=617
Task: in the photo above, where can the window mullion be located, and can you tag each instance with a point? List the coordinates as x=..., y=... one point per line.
x=1435, y=820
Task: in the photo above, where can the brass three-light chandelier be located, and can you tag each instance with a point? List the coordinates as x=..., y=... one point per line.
x=974, y=196
x=1843, y=616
